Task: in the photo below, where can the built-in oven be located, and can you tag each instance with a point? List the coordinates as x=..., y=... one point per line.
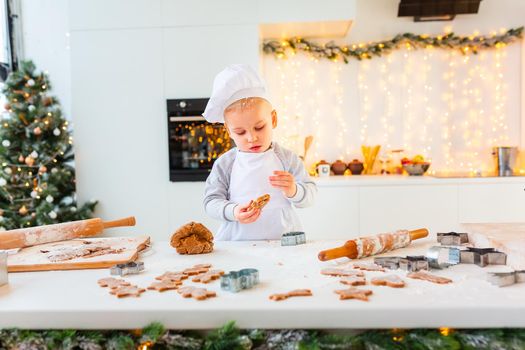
x=194, y=144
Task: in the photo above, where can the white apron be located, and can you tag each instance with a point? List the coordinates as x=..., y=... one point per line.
x=249, y=180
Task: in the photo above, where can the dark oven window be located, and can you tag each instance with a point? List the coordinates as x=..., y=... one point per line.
x=194, y=144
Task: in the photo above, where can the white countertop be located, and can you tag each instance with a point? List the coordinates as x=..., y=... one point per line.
x=72, y=299
x=383, y=180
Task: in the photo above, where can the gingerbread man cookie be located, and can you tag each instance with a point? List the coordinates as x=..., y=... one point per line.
x=293, y=293
x=354, y=280
x=393, y=281
x=208, y=276
x=196, y=293
x=112, y=283
x=197, y=269
x=421, y=275
x=172, y=276
x=336, y=272
x=354, y=293
x=260, y=202
x=165, y=285
x=368, y=267
x=127, y=291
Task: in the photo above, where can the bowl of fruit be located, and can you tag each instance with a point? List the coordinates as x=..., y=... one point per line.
x=416, y=166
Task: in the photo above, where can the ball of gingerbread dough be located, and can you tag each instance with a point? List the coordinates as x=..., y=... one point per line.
x=192, y=238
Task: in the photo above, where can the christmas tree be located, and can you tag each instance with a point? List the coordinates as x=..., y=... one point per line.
x=37, y=175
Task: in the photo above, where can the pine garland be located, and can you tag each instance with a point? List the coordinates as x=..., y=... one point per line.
x=229, y=337
x=334, y=52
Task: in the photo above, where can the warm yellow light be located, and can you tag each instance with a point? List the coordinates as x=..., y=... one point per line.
x=445, y=331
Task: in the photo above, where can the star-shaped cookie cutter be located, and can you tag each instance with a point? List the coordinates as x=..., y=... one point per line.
x=483, y=257
x=293, y=238
x=235, y=281
x=452, y=238
x=413, y=263
x=503, y=279
x=132, y=267
x=441, y=257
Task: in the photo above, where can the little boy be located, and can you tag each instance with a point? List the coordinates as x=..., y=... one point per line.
x=256, y=166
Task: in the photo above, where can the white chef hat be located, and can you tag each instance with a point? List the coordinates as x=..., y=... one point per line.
x=235, y=82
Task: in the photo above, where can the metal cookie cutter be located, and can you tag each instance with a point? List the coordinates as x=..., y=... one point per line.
x=440, y=257
x=452, y=238
x=3, y=268
x=238, y=280
x=389, y=262
x=483, y=257
x=502, y=279
x=520, y=276
x=293, y=238
x=132, y=267
x=413, y=263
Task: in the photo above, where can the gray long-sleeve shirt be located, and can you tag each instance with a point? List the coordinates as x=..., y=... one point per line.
x=216, y=195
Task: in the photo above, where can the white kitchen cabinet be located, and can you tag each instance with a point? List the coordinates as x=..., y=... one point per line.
x=387, y=208
x=492, y=202
x=121, y=148
x=206, y=59
x=334, y=214
x=114, y=14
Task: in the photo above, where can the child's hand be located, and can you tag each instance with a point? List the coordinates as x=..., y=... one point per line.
x=245, y=215
x=284, y=181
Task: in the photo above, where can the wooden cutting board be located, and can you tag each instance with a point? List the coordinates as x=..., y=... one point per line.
x=63, y=255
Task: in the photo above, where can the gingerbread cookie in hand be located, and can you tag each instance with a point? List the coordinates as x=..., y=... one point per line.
x=260, y=202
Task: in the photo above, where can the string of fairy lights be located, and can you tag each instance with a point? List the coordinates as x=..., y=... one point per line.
x=450, y=105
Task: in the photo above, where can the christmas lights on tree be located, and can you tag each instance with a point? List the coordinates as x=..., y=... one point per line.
x=37, y=175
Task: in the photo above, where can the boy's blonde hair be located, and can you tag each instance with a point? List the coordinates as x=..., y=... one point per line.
x=245, y=104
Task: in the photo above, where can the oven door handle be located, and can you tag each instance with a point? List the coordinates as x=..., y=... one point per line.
x=186, y=119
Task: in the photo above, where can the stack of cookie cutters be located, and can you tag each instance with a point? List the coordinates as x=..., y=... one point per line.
x=388, y=262
x=3, y=268
x=441, y=257
x=452, y=238
x=413, y=263
x=409, y=263
x=132, y=267
x=503, y=279
x=235, y=281
x=293, y=238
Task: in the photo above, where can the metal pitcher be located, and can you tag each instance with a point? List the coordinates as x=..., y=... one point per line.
x=505, y=160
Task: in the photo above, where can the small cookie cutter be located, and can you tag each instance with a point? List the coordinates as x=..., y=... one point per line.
x=132, y=267
x=388, y=262
x=238, y=280
x=483, y=257
x=3, y=268
x=413, y=263
x=503, y=279
x=293, y=238
x=452, y=238
x=441, y=257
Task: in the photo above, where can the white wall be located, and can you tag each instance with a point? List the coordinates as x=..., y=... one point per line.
x=128, y=57
x=45, y=24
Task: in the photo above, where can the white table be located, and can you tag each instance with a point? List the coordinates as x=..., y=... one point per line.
x=72, y=299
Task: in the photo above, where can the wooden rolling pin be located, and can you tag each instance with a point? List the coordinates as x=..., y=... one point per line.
x=371, y=245
x=26, y=237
